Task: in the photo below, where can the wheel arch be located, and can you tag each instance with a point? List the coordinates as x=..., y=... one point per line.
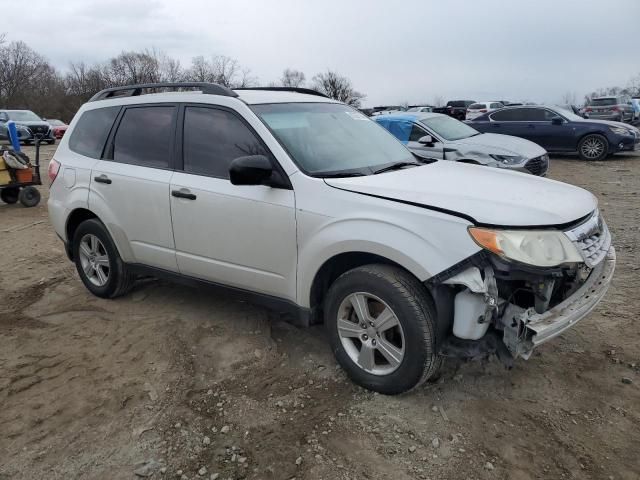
x=81, y=214
x=335, y=266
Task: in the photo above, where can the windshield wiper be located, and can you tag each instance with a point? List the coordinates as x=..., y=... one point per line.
x=341, y=175
x=398, y=166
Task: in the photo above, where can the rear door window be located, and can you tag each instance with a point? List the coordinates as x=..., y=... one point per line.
x=213, y=138
x=91, y=131
x=145, y=136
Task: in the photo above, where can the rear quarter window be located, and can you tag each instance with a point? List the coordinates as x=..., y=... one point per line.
x=91, y=131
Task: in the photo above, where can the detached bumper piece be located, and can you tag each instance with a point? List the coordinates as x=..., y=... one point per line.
x=525, y=329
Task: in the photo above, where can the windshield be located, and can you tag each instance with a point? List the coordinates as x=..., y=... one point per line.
x=568, y=114
x=599, y=102
x=330, y=138
x=449, y=128
x=24, y=116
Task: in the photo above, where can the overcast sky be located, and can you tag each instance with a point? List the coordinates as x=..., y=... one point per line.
x=393, y=51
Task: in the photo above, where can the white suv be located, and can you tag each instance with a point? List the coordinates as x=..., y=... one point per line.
x=305, y=204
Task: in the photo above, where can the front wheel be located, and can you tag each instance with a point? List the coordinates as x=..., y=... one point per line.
x=593, y=147
x=381, y=326
x=98, y=262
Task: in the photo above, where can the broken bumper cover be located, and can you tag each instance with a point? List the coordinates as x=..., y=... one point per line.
x=531, y=329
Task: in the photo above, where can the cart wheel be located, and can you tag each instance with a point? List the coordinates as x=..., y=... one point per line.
x=29, y=196
x=9, y=194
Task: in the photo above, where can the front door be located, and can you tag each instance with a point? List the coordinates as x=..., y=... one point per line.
x=241, y=236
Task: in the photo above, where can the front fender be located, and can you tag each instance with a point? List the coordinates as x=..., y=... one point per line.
x=424, y=250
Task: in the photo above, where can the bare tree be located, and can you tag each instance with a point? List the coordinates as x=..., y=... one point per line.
x=337, y=87
x=438, y=101
x=292, y=78
x=220, y=69
x=569, y=98
x=21, y=72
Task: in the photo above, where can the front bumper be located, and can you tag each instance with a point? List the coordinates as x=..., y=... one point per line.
x=526, y=329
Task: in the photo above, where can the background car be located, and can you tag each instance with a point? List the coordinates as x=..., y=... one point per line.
x=58, y=127
x=616, y=108
x=561, y=131
x=420, y=108
x=434, y=135
x=477, y=109
x=635, y=103
x=455, y=108
x=28, y=125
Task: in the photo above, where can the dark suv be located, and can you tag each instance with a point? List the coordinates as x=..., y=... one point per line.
x=28, y=124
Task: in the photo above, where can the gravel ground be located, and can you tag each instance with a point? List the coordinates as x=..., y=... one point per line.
x=179, y=383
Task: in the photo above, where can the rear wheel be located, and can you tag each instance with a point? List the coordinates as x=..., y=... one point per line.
x=98, y=262
x=593, y=147
x=381, y=326
x=9, y=195
x=29, y=196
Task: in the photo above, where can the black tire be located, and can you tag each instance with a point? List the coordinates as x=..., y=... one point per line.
x=29, y=196
x=9, y=195
x=120, y=279
x=413, y=307
x=597, y=138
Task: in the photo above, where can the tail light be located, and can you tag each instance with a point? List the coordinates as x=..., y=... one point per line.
x=588, y=109
x=615, y=109
x=484, y=110
x=52, y=171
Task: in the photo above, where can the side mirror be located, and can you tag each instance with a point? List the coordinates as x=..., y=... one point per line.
x=250, y=170
x=556, y=121
x=426, y=140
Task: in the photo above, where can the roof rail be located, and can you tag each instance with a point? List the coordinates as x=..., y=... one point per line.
x=135, y=90
x=306, y=91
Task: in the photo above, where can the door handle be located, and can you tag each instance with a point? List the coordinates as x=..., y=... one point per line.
x=102, y=179
x=183, y=193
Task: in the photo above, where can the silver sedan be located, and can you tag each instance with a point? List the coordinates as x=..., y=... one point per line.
x=433, y=135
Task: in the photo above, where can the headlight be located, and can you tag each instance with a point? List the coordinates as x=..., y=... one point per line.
x=620, y=130
x=508, y=159
x=542, y=248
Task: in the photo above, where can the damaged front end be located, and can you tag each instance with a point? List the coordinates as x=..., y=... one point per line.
x=509, y=307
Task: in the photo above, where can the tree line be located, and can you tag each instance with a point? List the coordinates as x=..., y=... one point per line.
x=29, y=81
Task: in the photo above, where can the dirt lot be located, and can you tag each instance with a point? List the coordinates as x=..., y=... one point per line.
x=169, y=381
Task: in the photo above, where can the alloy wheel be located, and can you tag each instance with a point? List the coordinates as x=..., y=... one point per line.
x=592, y=148
x=371, y=333
x=94, y=260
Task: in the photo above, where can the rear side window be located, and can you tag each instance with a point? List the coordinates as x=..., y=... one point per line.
x=496, y=105
x=213, y=138
x=91, y=131
x=145, y=136
x=509, y=115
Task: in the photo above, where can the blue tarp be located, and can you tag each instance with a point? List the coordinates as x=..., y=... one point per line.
x=398, y=124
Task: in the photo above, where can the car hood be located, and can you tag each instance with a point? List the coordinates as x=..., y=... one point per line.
x=609, y=123
x=484, y=195
x=493, y=143
x=36, y=123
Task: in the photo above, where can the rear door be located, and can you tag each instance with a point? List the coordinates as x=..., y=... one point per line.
x=241, y=236
x=130, y=186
